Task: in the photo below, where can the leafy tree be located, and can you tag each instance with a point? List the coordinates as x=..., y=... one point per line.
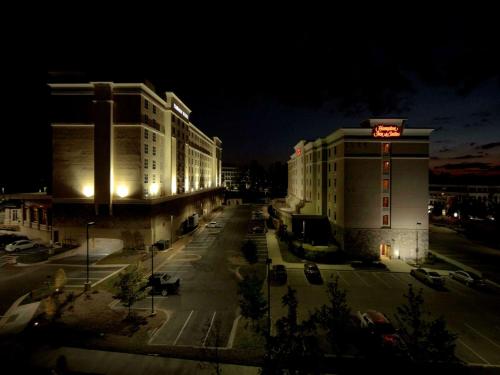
x=252, y=302
x=249, y=249
x=295, y=346
x=334, y=317
x=130, y=287
x=426, y=340
x=440, y=342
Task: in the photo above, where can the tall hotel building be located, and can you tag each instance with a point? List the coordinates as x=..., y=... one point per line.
x=370, y=183
x=129, y=160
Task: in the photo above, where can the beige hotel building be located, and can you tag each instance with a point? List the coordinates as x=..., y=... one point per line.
x=130, y=160
x=369, y=182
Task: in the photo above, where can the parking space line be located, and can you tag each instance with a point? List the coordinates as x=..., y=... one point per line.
x=481, y=335
x=341, y=278
x=209, y=328
x=380, y=278
x=473, y=351
x=184, y=326
x=363, y=280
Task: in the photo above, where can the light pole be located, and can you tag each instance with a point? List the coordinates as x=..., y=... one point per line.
x=416, y=258
x=268, y=263
x=152, y=271
x=87, y=284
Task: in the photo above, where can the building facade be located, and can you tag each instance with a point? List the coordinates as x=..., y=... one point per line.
x=232, y=177
x=130, y=160
x=370, y=182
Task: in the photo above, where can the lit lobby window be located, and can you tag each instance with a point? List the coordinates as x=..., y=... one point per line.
x=387, y=167
x=385, y=219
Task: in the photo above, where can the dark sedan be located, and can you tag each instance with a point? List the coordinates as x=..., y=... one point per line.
x=312, y=273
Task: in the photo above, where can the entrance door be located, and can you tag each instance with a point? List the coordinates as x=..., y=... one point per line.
x=385, y=250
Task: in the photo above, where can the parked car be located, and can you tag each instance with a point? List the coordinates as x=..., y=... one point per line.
x=164, y=284
x=468, y=278
x=312, y=273
x=278, y=274
x=213, y=224
x=258, y=229
x=429, y=277
x=20, y=245
x=378, y=327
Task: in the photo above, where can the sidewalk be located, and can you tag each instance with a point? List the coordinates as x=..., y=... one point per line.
x=102, y=362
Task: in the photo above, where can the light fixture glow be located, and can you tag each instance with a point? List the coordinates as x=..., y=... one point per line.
x=122, y=191
x=88, y=191
x=154, y=188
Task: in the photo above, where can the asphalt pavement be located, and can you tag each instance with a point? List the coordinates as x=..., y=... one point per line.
x=204, y=312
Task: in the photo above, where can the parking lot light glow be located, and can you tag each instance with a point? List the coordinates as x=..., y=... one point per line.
x=88, y=191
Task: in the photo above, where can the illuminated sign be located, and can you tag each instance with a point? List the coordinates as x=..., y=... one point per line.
x=298, y=152
x=386, y=131
x=178, y=109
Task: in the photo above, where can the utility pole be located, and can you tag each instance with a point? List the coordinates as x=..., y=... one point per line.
x=268, y=263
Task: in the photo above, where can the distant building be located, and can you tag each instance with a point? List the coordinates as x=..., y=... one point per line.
x=130, y=160
x=446, y=195
x=232, y=177
x=370, y=182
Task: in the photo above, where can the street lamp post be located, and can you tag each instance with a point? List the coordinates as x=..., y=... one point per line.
x=416, y=253
x=268, y=263
x=152, y=271
x=87, y=284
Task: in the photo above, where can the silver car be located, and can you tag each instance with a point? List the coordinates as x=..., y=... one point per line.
x=20, y=245
x=428, y=277
x=468, y=278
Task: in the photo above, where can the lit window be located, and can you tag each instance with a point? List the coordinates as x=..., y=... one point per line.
x=385, y=201
x=146, y=149
x=146, y=134
x=387, y=148
x=386, y=185
x=146, y=163
x=385, y=219
x=387, y=167
x=145, y=178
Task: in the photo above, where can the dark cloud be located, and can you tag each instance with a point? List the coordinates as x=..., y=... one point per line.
x=482, y=166
x=469, y=156
x=443, y=119
x=488, y=146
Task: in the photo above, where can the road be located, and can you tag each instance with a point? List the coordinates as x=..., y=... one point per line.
x=456, y=246
x=470, y=313
x=16, y=281
x=205, y=310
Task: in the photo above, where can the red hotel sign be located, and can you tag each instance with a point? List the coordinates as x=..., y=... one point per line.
x=386, y=131
x=298, y=151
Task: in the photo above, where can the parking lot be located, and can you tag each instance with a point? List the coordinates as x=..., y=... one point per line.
x=204, y=311
x=472, y=314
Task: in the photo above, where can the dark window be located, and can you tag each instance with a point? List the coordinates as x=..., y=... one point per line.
x=146, y=149
x=335, y=150
x=154, y=137
x=145, y=178
x=146, y=104
x=154, y=108
x=154, y=164
x=154, y=150
x=146, y=119
x=146, y=163
x=146, y=134
x=335, y=167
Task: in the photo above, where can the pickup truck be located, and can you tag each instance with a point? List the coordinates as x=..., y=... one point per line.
x=164, y=284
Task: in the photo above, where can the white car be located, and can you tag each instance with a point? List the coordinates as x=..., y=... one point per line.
x=20, y=245
x=468, y=278
x=213, y=224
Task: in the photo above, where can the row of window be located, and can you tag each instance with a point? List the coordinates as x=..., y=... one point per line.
x=146, y=178
x=146, y=106
x=146, y=164
x=146, y=135
x=146, y=149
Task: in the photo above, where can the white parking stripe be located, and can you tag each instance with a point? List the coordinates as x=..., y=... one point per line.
x=473, y=351
x=483, y=336
x=184, y=326
x=209, y=328
x=363, y=280
x=380, y=278
x=342, y=278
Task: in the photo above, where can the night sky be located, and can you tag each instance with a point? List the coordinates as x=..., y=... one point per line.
x=263, y=80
